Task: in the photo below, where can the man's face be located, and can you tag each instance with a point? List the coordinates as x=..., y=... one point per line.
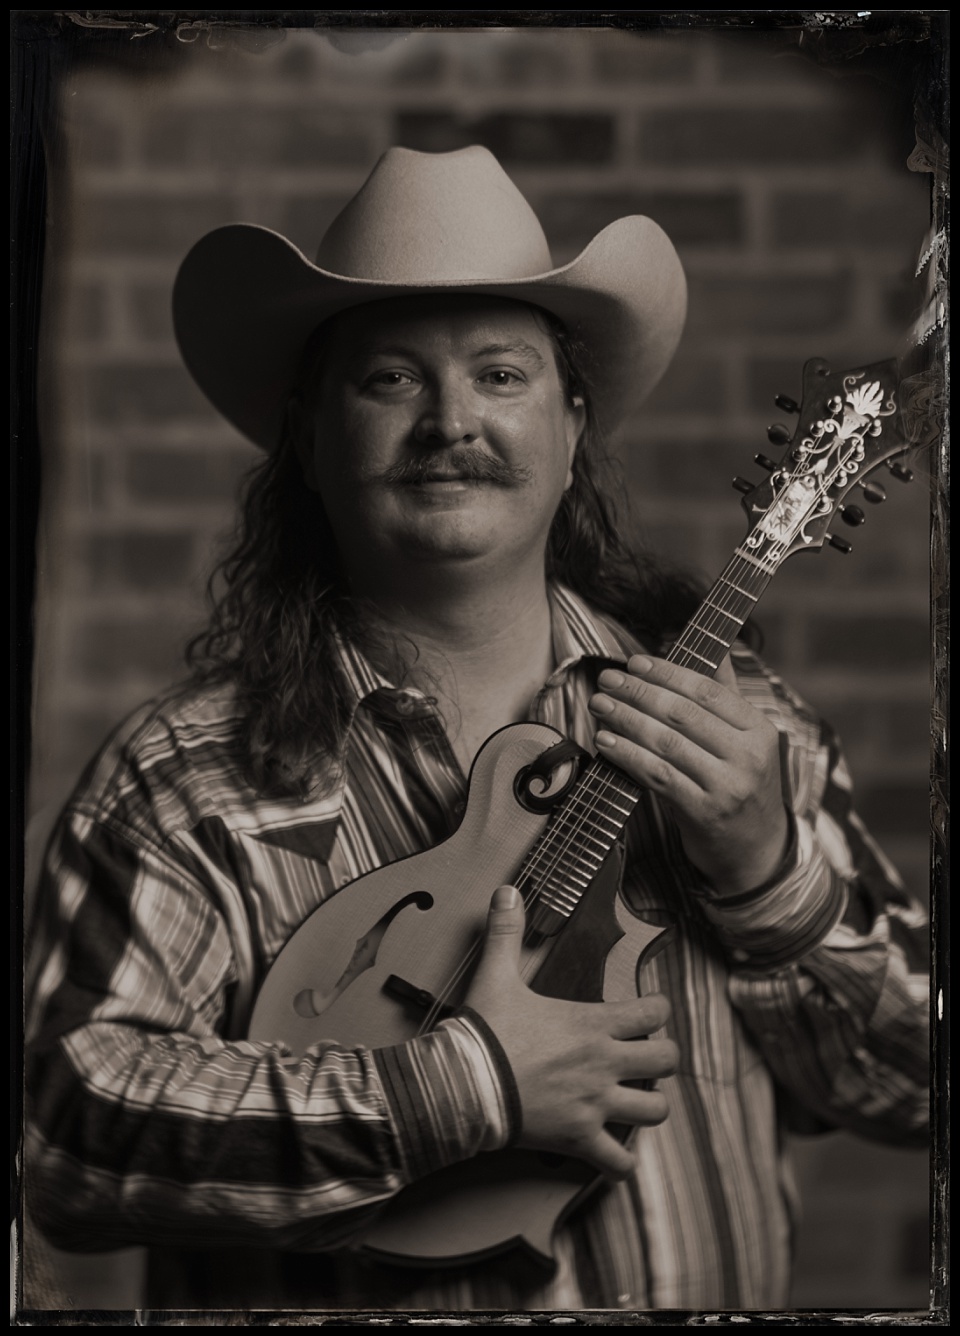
x=438, y=430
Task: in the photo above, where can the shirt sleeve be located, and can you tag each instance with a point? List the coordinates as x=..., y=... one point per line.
x=147, y=1127
x=829, y=960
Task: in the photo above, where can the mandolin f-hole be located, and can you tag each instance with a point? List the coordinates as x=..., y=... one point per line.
x=311, y=1002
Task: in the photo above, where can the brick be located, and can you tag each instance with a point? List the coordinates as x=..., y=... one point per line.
x=696, y=466
x=140, y=224
x=516, y=59
x=770, y=304
x=304, y=220
x=902, y=301
x=692, y=384
x=896, y=643
x=888, y=217
x=94, y=471
x=528, y=138
x=107, y=651
x=769, y=136
x=759, y=58
x=648, y=57
x=143, y=561
x=184, y=477
x=95, y=136
x=891, y=727
x=82, y=733
x=896, y=810
x=300, y=62
x=908, y=724
x=382, y=59
x=138, y=393
x=420, y=67
x=86, y=312
x=769, y=376
x=698, y=218
x=149, y=310
x=227, y=138
x=676, y=544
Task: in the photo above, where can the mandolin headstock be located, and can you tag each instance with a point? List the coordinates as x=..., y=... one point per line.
x=848, y=425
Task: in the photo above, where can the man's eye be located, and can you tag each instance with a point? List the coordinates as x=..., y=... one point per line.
x=502, y=376
x=390, y=379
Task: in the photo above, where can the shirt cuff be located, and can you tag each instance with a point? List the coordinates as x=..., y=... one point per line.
x=451, y=1094
x=787, y=917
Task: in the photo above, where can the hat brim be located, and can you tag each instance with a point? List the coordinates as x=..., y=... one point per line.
x=246, y=300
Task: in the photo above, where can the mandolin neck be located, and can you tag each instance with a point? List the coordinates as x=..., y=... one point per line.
x=566, y=858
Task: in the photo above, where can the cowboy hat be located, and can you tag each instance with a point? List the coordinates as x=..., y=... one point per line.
x=246, y=300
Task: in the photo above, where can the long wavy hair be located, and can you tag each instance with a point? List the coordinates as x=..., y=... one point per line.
x=278, y=598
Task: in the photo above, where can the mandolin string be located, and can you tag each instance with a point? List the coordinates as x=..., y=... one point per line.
x=553, y=849
x=557, y=857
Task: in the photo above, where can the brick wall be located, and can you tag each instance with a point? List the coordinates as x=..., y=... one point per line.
x=783, y=184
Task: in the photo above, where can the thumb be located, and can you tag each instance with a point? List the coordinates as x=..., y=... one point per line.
x=505, y=924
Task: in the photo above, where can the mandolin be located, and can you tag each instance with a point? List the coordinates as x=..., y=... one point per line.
x=392, y=953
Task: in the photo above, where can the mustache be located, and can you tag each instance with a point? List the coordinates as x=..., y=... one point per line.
x=468, y=463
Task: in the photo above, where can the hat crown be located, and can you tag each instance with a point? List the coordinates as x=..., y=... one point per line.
x=435, y=218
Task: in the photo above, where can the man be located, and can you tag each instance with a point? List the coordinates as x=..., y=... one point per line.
x=426, y=556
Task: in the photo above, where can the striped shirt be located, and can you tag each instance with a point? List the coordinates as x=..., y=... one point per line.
x=170, y=886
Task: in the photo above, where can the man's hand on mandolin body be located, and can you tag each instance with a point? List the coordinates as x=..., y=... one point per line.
x=569, y=1059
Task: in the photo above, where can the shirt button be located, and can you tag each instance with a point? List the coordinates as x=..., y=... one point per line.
x=740, y=956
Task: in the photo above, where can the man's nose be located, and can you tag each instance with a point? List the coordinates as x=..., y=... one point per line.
x=447, y=417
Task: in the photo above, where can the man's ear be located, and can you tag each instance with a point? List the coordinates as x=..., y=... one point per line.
x=300, y=425
x=576, y=421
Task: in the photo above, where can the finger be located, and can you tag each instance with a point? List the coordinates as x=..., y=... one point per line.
x=638, y=1108
x=607, y=1155
x=651, y=771
x=637, y=1018
x=500, y=958
x=662, y=685
x=700, y=760
x=646, y=1059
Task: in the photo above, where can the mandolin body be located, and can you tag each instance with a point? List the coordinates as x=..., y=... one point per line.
x=416, y=921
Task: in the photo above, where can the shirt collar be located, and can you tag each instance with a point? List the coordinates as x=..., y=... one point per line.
x=579, y=632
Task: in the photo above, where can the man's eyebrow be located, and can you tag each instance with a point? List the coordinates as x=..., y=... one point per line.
x=515, y=348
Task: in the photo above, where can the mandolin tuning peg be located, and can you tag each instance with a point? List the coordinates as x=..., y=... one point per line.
x=764, y=462
x=900, y=471
x=852, y=515
x=874, y=492
x=786, y=403
x=742, y=485
x=840, y=544
x=778, y=433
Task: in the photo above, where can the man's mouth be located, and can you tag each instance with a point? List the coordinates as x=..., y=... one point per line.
x=470, y=468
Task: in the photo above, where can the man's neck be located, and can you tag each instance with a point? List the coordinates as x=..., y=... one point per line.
x=484, y=650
